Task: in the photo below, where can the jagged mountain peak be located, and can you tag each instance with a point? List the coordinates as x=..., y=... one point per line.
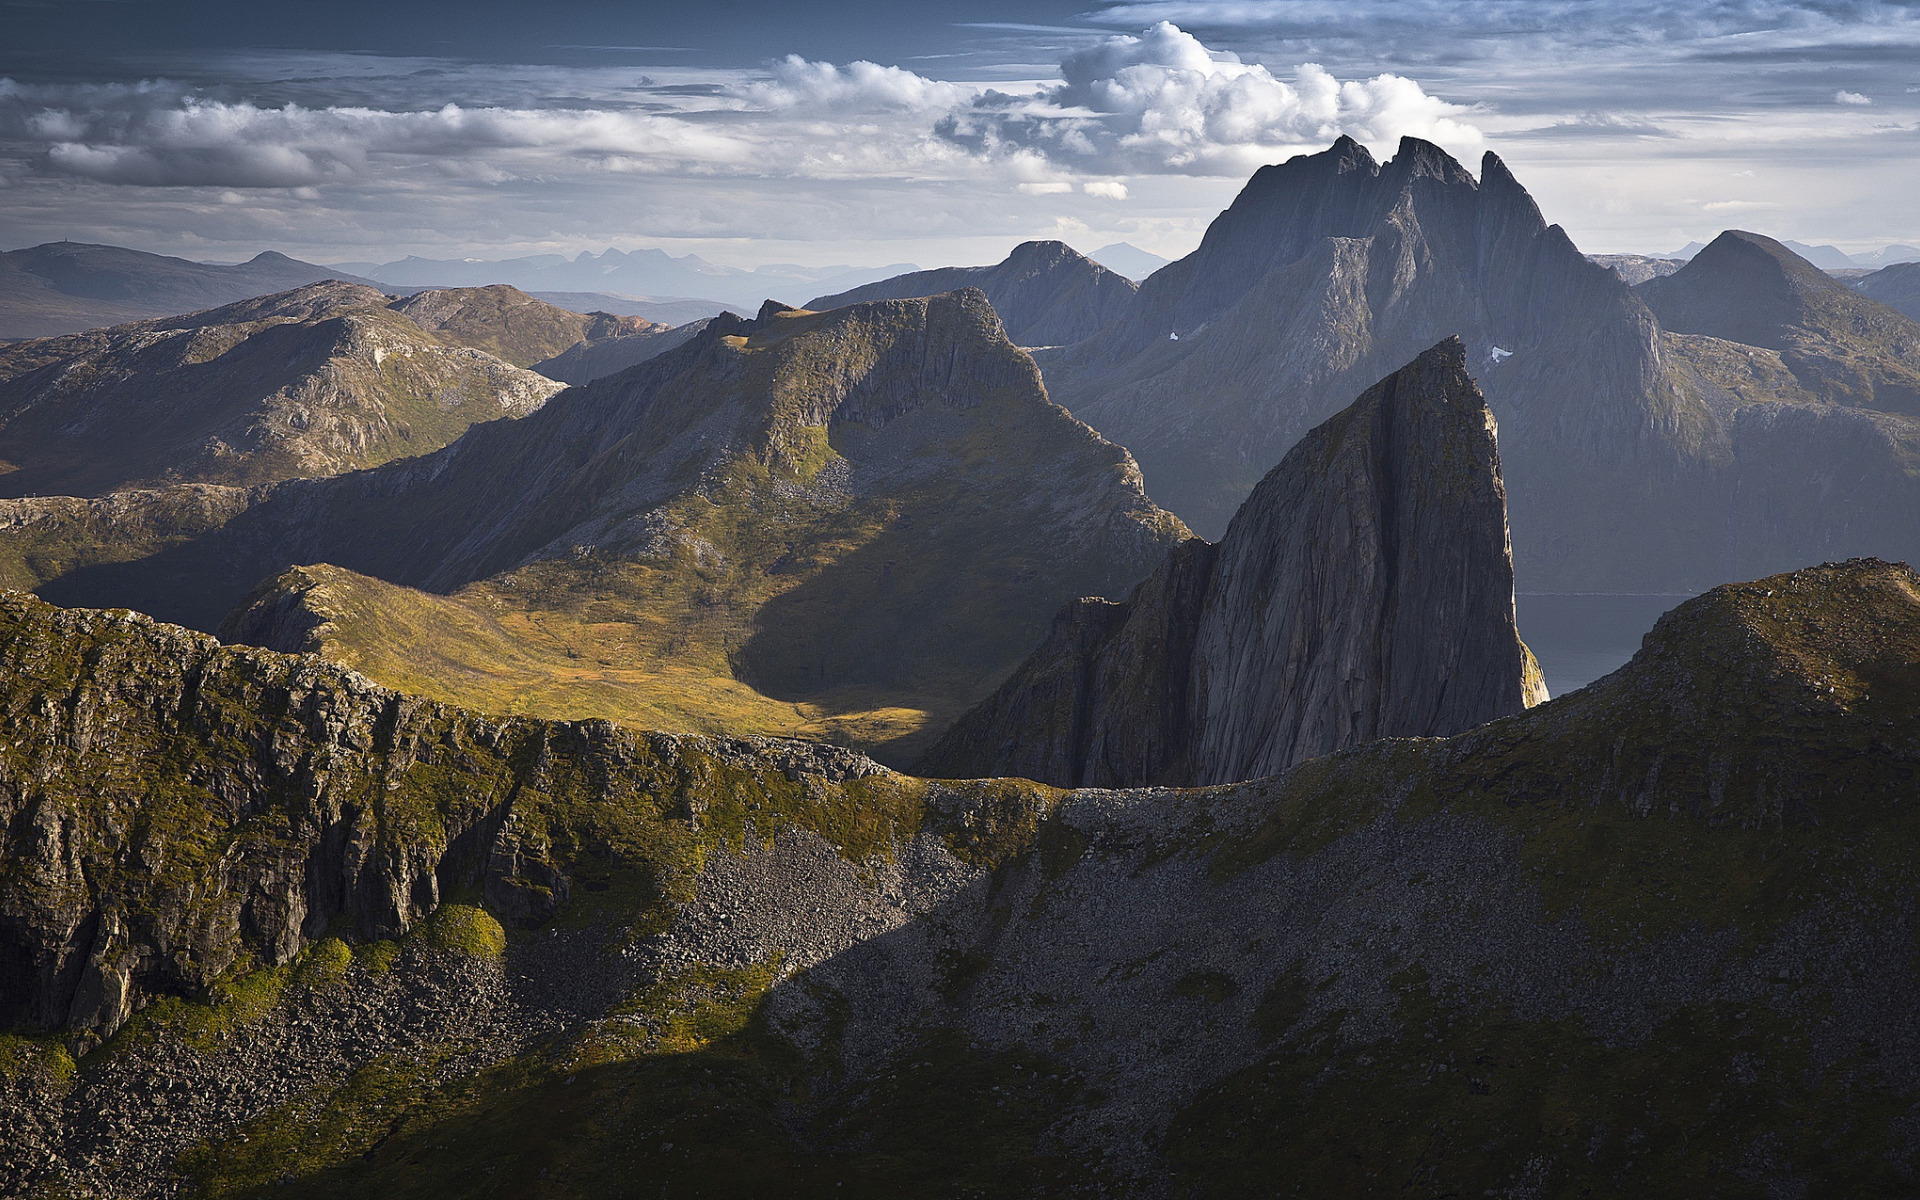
x=1364, y=590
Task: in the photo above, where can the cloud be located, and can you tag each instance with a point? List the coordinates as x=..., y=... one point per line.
x=161, y=137
x=1058, y=187
x=1109, y=189
x=1162, y=103
x=1845, y=97
x=798, y=83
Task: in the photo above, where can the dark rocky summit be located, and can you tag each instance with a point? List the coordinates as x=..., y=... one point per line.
x=1841, y=346
x=1047, y=293
x=1364, y=590
x=1654, y=938
x=1636, y=458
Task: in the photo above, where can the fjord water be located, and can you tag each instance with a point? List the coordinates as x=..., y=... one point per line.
x=1582, y=636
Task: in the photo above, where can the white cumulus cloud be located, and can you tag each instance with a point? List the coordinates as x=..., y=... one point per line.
x=1161, y=102
x=798, y=83
x=1109, y=189
x=1845, y=97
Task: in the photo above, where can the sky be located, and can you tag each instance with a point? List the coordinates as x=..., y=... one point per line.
x=943, y=133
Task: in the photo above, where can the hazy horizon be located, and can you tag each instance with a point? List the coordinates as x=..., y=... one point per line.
x=866, y=134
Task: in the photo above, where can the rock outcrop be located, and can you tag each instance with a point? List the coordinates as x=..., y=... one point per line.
x=511, y=325
x=316, y=381
x=1364, y=590
x=1047, y=293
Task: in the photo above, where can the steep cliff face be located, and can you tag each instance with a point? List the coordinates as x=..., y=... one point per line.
x=824, y=523
x=317, y=381
x=1046, y=293
x=173, y=807
x=1658, y=933
x=1364, y=590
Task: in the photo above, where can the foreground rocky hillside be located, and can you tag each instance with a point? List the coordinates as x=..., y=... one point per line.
x=849, y=525
x=315, y=381
x=1047, y=293
x=1653, y=938
x=1364, y=590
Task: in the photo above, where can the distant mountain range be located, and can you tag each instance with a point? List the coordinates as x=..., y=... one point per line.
x=1827, y=258
x=648, y=275
x=67, y=287
x=1129, y=260
x=657, y=277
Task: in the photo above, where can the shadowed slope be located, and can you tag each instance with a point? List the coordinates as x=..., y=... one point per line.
x=1841, y=346
x=1897, y=287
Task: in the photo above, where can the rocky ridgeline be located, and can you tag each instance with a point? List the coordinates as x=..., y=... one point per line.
x=1364, y=590
x=1650, y=937
x=1047, y=293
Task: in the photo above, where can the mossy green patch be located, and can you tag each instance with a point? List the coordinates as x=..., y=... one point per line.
x=41, y=1059
x=464, y=929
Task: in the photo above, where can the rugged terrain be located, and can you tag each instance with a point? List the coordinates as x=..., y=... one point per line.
x=1364, y=590
x=1047, y=293
x=315, y=381
x=528, y=332
x=1637, y=458
x=67, y=287
x=1652, y=939
x=849, y=525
